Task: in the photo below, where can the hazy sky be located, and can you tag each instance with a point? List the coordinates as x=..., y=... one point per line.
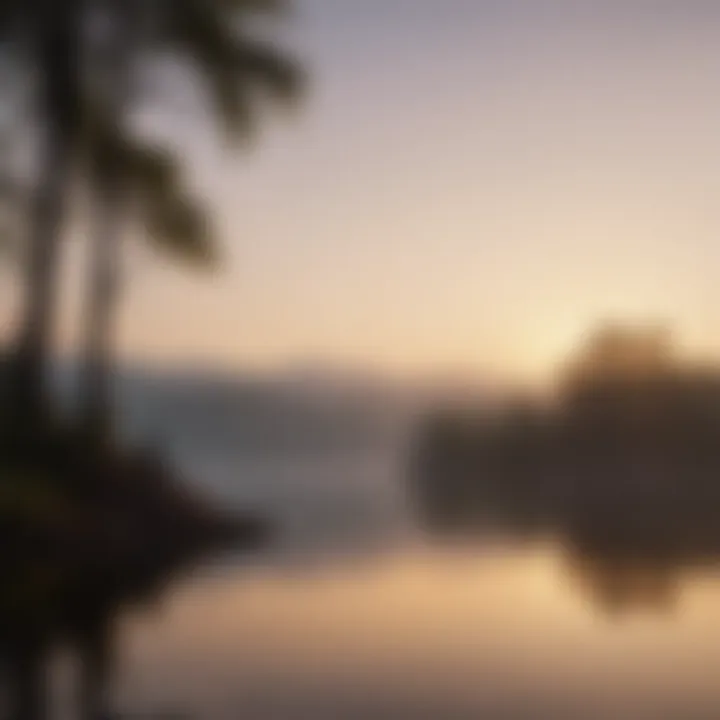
x=469, y=185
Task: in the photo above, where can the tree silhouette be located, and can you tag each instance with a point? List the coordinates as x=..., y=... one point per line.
x=238, y=72
x=132, y=183
x=212, y=41
x=46, y=36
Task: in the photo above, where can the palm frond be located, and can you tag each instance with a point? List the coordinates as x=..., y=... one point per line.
x=236, y=69
x=176, y=223
x=179, y=226
x=150, y=177
x=267, y=70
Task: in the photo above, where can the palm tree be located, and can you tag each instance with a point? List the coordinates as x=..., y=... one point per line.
x=213, y=37
x=238, y=72
x=134, y=183
x=47, y=34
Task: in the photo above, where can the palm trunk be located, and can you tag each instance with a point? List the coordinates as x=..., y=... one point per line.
x=41, y=285
x=58, y=56
x=101, y=311
x=110, y=199
x=96, y=655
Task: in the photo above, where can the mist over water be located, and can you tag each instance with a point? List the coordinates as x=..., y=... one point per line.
x=328, y=469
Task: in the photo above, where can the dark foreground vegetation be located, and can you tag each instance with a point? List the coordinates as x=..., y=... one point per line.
x=87, y=529
x=86, y=524
x=622, y=466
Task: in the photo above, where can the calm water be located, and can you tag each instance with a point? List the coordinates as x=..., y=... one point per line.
x=352, y=613
x=419, y=634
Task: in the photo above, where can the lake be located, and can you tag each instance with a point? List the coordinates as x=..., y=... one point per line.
x=352, y=612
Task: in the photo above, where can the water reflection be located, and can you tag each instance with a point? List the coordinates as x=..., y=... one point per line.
x=458, y=632
x=641, y=560
x=618, y=586
x=622, y=553
x=51, y=600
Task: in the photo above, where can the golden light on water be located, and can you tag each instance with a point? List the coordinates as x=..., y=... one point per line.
x=439, y=624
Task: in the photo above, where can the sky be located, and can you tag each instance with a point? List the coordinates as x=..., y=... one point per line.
x=468, y=186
